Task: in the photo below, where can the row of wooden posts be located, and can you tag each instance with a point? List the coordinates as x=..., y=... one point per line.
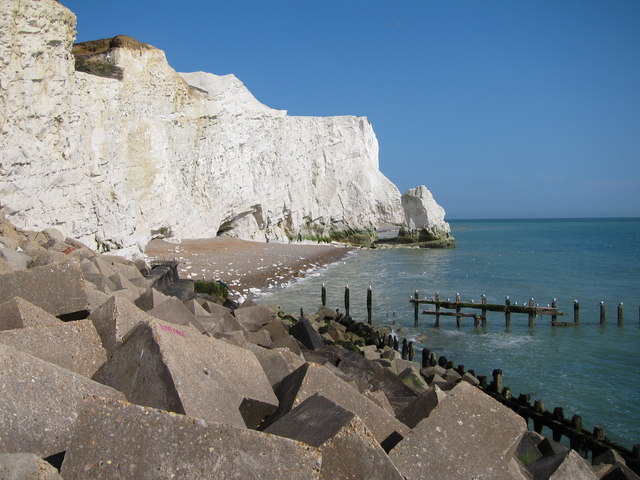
x=531, y=309
x=579, y=438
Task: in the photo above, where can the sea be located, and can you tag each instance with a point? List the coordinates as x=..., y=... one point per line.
x=592, y=370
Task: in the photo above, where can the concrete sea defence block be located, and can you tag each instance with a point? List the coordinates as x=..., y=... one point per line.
x=373, y=376
x=173, y=310
x=304, y=332
x=287, y=342
x=422, y=406
x=277, y=363
x=39, y=403
x=57, y=288
x=26, y=466
x=75, y=346
x=19, y=313
x=253, y=318
x=349, y=450
x=119, y=440
x=468, y=435
x=563, y=466
x=114, y=319
x=177, y=369
x=312, y=378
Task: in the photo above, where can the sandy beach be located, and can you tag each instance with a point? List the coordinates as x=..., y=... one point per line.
x=247, y=267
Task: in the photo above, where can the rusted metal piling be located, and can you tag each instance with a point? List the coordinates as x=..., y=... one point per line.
x=576, y=312
x=603, y=314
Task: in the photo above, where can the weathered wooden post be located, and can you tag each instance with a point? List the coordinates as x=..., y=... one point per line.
x=458, y=308
x=442, y=361
x=395, y=343
x=346, y=300
x=554, y=317
x=425, y=357
x=416, y=308
x=603, y=314
x=558, y=416
x=532, y=315
x=411, y=352
x=433, y=359
x=575, y=440
x=484, y=311
x=323, y=295
x=507, y=312
x=598, y=433
x=620, y=314
x=405, y=349
x=538, y=407
x=576, y=312
x=369, y=304
x=436, y=298
x=497, y=381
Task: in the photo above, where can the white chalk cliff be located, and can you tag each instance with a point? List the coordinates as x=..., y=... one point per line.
x=117, y=161
x=422, y=212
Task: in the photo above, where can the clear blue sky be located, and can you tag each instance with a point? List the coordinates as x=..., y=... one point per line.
x=502, y=108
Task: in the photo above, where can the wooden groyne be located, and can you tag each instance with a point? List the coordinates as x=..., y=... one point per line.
x=586, y=442
x=531, y=309
x=582, y=440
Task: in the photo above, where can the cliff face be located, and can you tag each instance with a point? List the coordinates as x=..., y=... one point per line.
x=133, y=150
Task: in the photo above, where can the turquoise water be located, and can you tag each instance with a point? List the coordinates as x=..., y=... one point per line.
x=589, y=370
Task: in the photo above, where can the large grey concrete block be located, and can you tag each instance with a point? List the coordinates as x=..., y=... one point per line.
x=312, y=378
x=413, y=380
x=277, y=363
x=172, y=310
x=370, y=375
x=287, y=342
x=349, y=449
x=276, y=329
x=39, y=403
x=18, y=313
x=422, y=406
x=469, y=435
x=177, y=369
x=304, y=332
x=567, y=465
x=114, y=319
x=260, y=337
x=18, y=260
x=6, y=267
x=57, y=288
x=117, y=440
x=253, y=318
x=26, y=466
x=95, y=296
x=194, y=307
x=75, y=346
x=213, y=307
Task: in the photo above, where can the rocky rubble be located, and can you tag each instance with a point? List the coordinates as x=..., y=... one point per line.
x=104, y=377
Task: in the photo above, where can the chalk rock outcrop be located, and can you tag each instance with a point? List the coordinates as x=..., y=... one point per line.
x=126, y=149
x=424, y=218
